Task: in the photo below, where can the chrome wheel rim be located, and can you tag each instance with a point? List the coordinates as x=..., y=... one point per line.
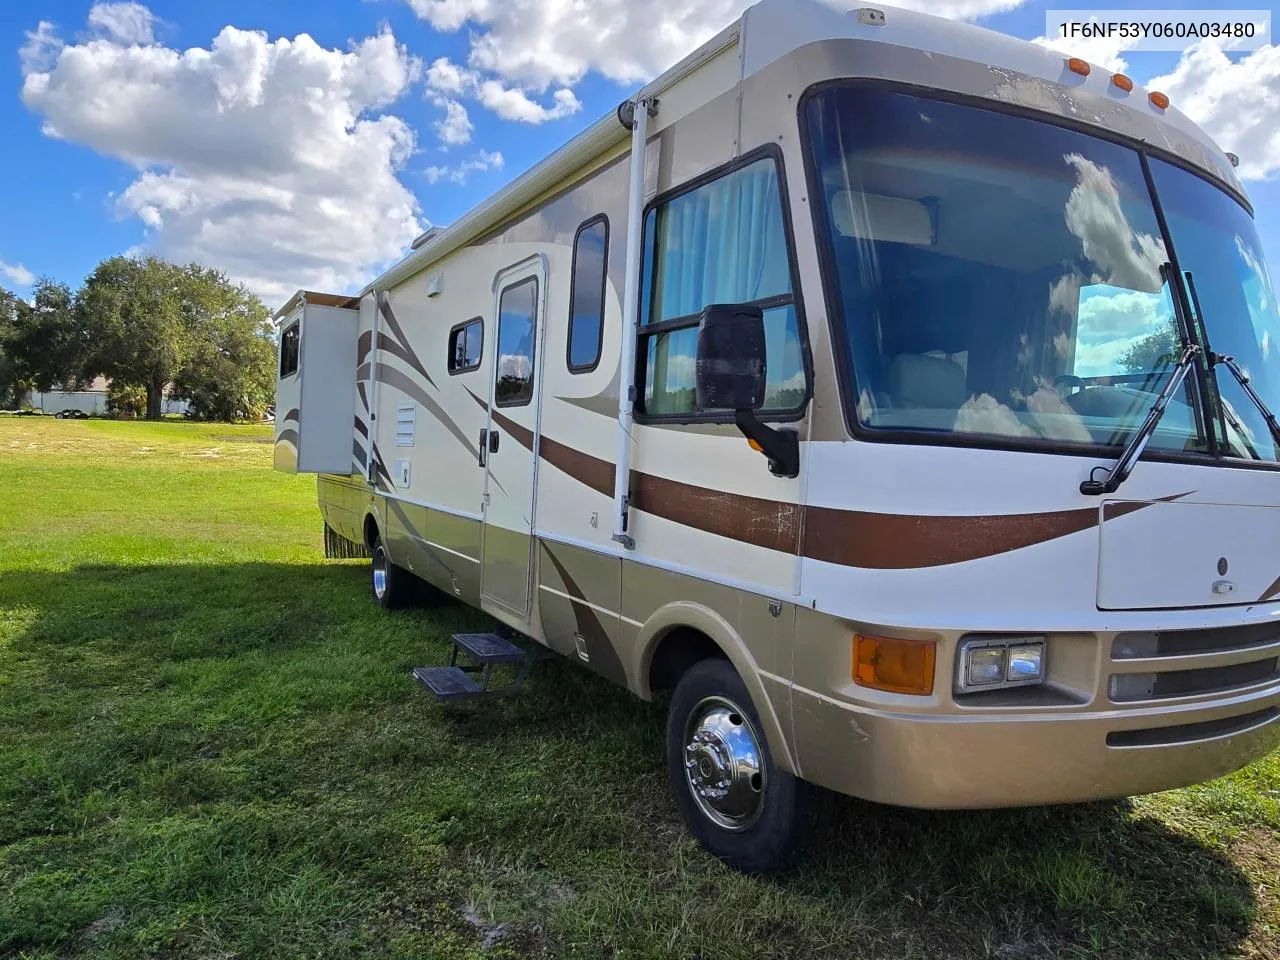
x=724, y=764
x=379, y=573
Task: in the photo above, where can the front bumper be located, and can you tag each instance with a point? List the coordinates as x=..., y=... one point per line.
x=977, y=760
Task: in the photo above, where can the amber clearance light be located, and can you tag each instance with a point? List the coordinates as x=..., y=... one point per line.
x=897, y=666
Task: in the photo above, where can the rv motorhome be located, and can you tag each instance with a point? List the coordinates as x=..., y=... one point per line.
x=894, y=393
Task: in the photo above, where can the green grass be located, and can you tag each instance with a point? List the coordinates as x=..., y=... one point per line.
x=210, y=746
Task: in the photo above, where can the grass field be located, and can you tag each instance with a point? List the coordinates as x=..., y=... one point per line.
x=210, y=746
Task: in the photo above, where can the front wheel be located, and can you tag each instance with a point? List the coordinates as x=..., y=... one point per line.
x=392, y=587
x=741, y=807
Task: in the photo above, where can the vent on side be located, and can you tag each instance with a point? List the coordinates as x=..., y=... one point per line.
x=1145, y=644
x=1191, y=732
x=1131, y=687
x=406, y=422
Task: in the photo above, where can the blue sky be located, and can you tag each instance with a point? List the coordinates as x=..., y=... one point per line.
x=136, y=163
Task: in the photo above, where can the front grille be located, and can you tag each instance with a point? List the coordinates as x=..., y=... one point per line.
x=1138, y=645
x=1130, y=687
x=1190, y=732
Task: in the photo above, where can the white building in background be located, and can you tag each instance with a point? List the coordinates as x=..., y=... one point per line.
x=92, y=401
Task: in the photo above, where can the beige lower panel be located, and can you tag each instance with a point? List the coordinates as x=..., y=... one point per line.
x=343, y=505
x=754, y=632
x=578, y=612
x=505, y=576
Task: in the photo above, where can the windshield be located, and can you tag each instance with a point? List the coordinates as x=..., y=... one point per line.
x=997, y=277
x=1218, y=245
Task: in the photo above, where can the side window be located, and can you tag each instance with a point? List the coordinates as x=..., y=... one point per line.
x=289, y=342
x=721, y=242
x=466, y=343
x=586, y=303
x=517, y=316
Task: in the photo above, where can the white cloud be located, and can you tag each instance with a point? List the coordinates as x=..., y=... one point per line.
x=532, y=45
x=123, y=22
x=537, y=43
x=511, y=103
x=1237, y=103
x=41, y=48
x=258, y=156
x=17, y=274
x=455, y=127
x=447, y=79
x=458, y=174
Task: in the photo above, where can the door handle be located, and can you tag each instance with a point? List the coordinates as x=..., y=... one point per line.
x=493, y=441
x=483, y=447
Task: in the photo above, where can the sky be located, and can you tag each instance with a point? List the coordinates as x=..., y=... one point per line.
x=305, y=143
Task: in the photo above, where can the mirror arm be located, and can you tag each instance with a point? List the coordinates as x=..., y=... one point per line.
x=782, y=447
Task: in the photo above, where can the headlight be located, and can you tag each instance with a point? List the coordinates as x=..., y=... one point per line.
x=993, y=663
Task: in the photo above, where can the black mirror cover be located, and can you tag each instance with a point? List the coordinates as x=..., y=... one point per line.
x=731, y=368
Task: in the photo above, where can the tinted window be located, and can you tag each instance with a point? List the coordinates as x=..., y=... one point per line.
x=586, y=309
x=993, y=275
x=289, y=341
x=1218, y=246
x=722, y=242
x=517, y=315
x=466, y=342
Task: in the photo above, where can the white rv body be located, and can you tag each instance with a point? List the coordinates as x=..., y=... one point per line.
x=937, y=535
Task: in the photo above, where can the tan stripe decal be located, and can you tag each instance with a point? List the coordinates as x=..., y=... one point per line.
x=406, y=351
x=394, y=378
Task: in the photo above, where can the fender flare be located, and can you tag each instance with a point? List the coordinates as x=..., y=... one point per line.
x=683, y=614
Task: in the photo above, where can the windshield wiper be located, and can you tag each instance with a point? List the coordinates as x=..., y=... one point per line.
x=1230, y=363
x=1124, y=466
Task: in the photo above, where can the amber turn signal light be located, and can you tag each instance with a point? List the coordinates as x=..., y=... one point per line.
x=897, y=666
x=1160, y=101
x=1123, y=82
x=1076, y=65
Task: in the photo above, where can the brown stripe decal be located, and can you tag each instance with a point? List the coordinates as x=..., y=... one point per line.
x=850, y=538
x=1271, y=592
x=288, y=436
x=361, y=428
x=292, y=415
x=601, y=656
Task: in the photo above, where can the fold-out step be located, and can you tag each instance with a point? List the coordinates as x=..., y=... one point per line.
x=472, y=679
x=448, y=683
x=488, y=648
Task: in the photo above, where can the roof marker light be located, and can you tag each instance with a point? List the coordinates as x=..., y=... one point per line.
x=1235, y=161
x=1160, y=100
x=1123, y=82
x=1076, y=65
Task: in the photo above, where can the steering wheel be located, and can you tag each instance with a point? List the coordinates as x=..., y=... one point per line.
x=1070, y=380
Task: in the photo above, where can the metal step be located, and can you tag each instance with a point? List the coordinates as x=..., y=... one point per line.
x=488, y=648
x=448, y=683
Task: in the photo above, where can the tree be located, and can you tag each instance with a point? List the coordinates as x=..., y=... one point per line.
x=230, y=371
x=1155, y=351
x=134, y=311
x=45, y=342
x=12, y=386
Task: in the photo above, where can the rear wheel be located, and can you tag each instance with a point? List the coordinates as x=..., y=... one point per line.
x=392, y=587
x=741, y=807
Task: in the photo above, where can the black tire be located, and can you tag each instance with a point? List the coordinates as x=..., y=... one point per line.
x=395, y=588
x=790, y=813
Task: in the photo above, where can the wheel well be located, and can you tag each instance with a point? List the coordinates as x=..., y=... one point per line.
x=370, y=531
x=677, y=652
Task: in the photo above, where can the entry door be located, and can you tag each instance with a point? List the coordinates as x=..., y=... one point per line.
x=512, y=438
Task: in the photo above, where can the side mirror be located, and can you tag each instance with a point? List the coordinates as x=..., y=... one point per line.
x=731, y=373
x=731, y=370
